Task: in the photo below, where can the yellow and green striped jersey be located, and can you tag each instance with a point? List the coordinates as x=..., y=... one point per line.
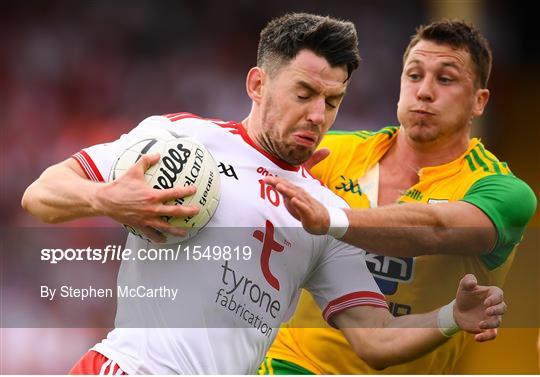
x=411, y=285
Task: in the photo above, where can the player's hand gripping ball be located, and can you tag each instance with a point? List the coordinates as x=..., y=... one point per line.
x=184, y=161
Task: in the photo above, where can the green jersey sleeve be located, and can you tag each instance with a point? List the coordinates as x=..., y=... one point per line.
x=510, y=203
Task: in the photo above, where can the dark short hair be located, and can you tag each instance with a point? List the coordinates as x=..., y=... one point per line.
x=333, y=39
x=458, y=34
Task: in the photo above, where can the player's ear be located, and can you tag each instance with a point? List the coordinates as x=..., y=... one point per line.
x=480, y=101
x=254, y=83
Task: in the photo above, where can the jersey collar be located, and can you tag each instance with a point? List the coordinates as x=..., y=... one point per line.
x=449, y=168
x=282, y=164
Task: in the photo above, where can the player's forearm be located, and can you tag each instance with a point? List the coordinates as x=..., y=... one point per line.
x=400, y=340
x=60, y=195
x=409, y=230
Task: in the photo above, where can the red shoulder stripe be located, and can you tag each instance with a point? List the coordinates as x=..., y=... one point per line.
x=361, y=298
x=88, y=166
x=236, y=128
x=178, y=116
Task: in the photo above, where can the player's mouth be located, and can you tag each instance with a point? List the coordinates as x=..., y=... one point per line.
x=306, y=138
x=422, y=112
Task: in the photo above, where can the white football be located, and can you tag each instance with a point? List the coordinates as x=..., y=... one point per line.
x=184, y=161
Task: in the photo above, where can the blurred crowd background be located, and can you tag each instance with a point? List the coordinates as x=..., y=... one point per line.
x=77, y=73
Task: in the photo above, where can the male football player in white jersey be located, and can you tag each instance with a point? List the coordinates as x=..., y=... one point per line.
x=228, y=311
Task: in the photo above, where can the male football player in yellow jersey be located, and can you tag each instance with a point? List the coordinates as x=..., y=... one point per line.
x=445, y=206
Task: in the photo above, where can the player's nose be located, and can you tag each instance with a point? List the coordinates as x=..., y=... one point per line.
x=316, y=111
x=426, y=90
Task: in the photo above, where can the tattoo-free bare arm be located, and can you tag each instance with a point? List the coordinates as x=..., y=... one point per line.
x=63, y=193
x=383, y=340
x=407, y=229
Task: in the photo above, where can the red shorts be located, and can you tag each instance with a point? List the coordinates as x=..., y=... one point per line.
x=93, y=362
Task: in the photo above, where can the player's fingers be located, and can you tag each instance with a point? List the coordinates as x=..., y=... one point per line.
x=303, y=210
x=485, y=336
x=291, y=208
x=282, y=185
x=153, y=234
x=495, y=296
x=145, y=162
x=498, y=309
x=271, y=180
x=177, y=210
x=317, y=157
x=290, y=190
x=491, y=323
x=176, y=193
x=164, y=227
x=309, y=220
x=468, y=282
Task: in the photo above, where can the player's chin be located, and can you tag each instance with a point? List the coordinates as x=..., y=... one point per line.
x=299, y=155
x=423, y=133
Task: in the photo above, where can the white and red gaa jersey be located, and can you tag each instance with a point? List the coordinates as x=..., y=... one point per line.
x=229, y=305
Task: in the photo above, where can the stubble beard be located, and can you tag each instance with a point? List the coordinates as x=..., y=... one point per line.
x=274, y=143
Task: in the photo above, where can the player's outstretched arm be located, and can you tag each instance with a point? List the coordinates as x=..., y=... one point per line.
x=407, y=229
x=383, y=340
x=63, y=193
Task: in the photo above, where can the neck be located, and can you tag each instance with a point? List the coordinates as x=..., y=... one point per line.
x=420, y=155
x=245, y=124
x=259, y=141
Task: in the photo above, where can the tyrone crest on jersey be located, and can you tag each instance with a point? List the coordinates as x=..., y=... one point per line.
x=269, y=245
